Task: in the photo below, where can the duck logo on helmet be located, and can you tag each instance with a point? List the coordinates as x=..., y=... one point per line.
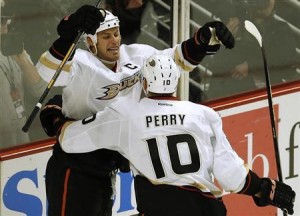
x=152, y=63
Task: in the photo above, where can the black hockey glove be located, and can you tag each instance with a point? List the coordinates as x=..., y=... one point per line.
x=212, y=34
x=87, y=18
x=277, y=194
x=51, y=116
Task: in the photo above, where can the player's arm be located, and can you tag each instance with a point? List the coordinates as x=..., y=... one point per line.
x=206, y=41
x=83, y=135
x=101, y=130
x=86, y=18
x=232, y=175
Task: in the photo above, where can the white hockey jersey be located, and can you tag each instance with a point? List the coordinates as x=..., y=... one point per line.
x=89, y=86
x=167, y=141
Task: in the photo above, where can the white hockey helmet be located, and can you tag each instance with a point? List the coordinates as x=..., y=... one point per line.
x=161, y=73
x=110, y=21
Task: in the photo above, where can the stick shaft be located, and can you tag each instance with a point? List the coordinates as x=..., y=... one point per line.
x=272, y=116
x=251, y=28
x=38, y=106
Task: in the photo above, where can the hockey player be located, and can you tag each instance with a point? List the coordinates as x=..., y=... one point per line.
x=174, y=147
x=79, y=184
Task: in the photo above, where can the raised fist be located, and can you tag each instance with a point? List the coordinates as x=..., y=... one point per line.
x=87, y=19
x=213, y=34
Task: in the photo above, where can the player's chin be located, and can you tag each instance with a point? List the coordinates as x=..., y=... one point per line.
x=113, y=55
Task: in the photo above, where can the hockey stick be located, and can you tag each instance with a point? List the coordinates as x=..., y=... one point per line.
x=38, y=106
x=251, y=28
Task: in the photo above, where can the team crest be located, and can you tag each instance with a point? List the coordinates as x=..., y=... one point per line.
x=113, y=90
x=152, y=63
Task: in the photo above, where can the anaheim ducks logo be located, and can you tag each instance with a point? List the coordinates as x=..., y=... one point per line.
x=152, y=63
x=113, y=89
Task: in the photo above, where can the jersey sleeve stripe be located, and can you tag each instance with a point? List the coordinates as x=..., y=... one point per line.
x=53, y=64
x=181, y=63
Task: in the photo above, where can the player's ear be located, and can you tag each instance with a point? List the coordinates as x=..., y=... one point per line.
x=89, y=41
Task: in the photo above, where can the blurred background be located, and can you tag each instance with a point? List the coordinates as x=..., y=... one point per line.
x=30, y=25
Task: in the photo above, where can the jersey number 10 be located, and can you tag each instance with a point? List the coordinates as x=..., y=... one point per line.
x=172, y=143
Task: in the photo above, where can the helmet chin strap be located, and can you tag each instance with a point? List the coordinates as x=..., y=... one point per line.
x=106, y=62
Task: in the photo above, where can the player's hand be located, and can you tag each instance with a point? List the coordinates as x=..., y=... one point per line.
x=87, y=18
x=51, y=116
x=212, y=35
x=276, y=193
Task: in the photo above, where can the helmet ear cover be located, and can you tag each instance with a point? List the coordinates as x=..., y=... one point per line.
x=161, y=73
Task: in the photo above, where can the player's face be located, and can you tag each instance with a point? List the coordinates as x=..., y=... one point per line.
x=108, y=44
